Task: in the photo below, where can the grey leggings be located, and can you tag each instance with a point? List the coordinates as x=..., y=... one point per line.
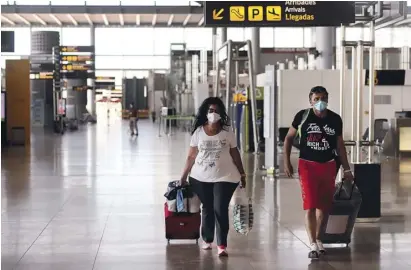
x=215, y=198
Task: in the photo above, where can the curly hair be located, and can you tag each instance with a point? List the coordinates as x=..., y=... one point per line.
x=201, y=117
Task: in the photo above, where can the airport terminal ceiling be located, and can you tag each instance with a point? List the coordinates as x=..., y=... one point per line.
x=131, y=13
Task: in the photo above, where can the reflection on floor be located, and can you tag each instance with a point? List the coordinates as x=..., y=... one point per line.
x=93, y=199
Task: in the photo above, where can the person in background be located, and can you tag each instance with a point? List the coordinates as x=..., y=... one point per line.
x=133, y=120
x=321, y=145
x=215, y=169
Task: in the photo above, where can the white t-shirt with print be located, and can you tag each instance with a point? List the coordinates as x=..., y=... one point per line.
x=214, y=162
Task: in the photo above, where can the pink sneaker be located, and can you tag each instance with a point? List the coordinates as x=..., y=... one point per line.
x=222, y=251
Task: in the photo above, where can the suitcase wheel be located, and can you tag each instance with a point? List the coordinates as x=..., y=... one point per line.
x=197, y=241
x=168, y=241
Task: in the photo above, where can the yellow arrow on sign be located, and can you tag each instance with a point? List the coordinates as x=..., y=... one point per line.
x=217, y=15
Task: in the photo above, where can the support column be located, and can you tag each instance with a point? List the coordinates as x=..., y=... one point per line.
x=223, y=35
x=214, y=48
x=405, y=57
x=378, y=58
x=325, y=39
x=91, y=93
x=255, y=44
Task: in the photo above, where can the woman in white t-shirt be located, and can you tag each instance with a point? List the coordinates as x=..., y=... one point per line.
x=215, y=169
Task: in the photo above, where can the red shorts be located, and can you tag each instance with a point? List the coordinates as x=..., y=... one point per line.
x=317, y=183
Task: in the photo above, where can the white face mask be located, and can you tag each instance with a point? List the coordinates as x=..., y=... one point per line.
x=213, y=118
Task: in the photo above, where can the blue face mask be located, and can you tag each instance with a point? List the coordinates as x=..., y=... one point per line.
x=320, y=106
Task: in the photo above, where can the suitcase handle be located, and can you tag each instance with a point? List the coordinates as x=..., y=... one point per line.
x=352, y=189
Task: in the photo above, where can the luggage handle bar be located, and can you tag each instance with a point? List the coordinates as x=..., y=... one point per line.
x=340, y=189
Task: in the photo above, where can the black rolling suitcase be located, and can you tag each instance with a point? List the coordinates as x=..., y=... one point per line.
x=337, y=227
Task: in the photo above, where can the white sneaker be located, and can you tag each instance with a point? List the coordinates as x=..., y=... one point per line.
x=321, y=248
x=206, y=246
x=313, y=254
x=222, y=252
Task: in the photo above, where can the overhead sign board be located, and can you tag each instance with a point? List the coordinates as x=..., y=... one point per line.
x=76, y=58
x=42, y=75
x=75, y=49
x=79, y=67
x=278, y=13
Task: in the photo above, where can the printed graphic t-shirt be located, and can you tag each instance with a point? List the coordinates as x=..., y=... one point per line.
x=318, y=135
x=214, y=162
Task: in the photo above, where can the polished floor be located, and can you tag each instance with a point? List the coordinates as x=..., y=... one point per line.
x=93, y=199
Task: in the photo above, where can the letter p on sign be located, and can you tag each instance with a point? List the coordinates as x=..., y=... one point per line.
x=255, y=13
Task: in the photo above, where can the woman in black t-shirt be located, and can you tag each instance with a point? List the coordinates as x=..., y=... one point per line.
x=320, y=132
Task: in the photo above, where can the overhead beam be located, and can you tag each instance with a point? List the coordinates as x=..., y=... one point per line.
x=90, y=22
x=153, y=23
x=404, y=22
x=170, y=20
x=4, y=18
x=186, y=19
x=72, y=19
x=57, y=9
x=97, y=25
x=121, y=17
x=200, y=23
x=40, y=20
x=138, y=19
x=56, y=19
x=21, y=18
x=105, y=19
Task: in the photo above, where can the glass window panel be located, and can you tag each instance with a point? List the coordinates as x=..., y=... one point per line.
x=401, y=37
x=309, y=40
x=235, y=33
x=218, y=37
x=287, y=37
x=109, y=62
x=198, y=38
x=73, y=36
x=139, y=74
x=176, y=35
x=161, y=62
x=108, y=40
x=161, y=41
x=22, y=41
x=383, y=38
x=247, y=33
x=146, y=62
x=353, y=33
x=266, y=37
x=136, y=41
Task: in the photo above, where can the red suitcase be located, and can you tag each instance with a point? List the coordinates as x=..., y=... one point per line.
x=182, y=225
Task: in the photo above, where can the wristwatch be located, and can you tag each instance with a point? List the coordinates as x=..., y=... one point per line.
x=243, y=175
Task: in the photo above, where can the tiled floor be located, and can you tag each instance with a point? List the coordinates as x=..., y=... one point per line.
x=93, y=199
